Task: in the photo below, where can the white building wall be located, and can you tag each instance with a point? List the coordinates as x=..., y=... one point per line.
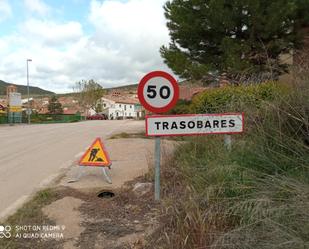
x=114, y=110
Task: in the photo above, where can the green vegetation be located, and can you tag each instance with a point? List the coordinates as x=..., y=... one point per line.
x=23, y=89
x=3, y=119
x=234, y=98
x=182, y=107
x=237, y=37
x=231, y=98
x=54, y=118
x=254, y=196
x=54, y=106
x=46, y=118
x=128, y=135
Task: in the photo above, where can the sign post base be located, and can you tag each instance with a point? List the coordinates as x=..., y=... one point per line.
x=228, y=142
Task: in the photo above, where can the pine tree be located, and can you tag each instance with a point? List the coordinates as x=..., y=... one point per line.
x=231, y=36
x=54, y=106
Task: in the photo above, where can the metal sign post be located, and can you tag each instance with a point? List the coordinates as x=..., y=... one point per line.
x=157, y=167
x=228, y=142
x=158, y=92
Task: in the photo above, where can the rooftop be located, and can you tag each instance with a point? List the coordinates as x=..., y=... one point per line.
x=122, y=99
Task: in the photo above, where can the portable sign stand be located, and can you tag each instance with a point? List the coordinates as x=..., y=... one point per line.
x=95, y=156
x=158, y=92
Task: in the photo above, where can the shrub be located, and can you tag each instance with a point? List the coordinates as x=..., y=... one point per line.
x=234, y=98
x=182, y=107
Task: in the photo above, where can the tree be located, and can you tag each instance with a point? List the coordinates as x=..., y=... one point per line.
x=54, y=106
x=89, y=94
x=232, y=36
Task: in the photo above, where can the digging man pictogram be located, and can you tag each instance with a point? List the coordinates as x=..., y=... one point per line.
x=93, y=154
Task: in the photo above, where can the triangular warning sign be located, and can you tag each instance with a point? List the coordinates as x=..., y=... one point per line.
x=96, y=155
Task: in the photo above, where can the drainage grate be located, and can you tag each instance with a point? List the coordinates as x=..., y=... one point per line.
x=105, y=194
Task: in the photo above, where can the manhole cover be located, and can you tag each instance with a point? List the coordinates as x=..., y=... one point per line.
x=105, y=194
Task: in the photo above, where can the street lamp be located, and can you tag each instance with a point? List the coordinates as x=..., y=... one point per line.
x=28, y=109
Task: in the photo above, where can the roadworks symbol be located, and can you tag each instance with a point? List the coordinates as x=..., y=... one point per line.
x=96, y=155
x=5, y=232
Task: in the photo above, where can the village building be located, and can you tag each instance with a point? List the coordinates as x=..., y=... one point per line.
x=116, y=106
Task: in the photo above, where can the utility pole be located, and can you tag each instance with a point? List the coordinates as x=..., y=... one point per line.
x=28, y=108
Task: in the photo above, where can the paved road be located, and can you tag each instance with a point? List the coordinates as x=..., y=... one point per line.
x=30, y=156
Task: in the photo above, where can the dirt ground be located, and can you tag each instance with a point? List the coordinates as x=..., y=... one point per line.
x=121, y=221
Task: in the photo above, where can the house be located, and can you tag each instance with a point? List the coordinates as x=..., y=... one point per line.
x=116, y=106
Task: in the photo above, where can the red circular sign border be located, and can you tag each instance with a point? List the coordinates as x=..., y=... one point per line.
x=143, y=82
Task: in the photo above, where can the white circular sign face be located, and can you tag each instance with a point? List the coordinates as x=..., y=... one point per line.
x=158, y=92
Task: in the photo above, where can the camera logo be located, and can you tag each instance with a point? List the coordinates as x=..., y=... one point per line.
x=5, y=232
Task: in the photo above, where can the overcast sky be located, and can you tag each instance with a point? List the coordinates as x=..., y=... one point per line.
x=114, y=42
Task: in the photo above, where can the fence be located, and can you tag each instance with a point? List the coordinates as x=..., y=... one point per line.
x=3, y=119
x=45, y=118
x=53, y=118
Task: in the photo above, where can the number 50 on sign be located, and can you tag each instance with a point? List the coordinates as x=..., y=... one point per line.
x=158, y=92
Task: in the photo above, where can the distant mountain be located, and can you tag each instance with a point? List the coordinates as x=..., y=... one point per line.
x=23, y=89
x=133, y=87
x=125, y=88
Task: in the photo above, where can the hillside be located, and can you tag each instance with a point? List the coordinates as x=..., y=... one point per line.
x=133, y=87
x=23, y=89
x=125, y=88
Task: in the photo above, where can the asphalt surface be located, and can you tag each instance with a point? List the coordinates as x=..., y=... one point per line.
x=32, y=156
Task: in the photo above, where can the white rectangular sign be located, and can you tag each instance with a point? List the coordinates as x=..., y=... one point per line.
x=194, y=124
x=15, y=99
x=15, y=102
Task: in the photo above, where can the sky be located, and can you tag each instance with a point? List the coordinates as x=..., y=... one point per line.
x=114, y=42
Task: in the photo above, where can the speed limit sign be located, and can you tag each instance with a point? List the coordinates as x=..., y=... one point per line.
x=158, y=91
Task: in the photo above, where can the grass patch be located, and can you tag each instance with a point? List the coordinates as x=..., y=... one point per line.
x=29, y=214
x=128, y=135
x=254, y=196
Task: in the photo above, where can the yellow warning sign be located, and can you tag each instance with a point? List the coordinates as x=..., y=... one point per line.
x=15, y=109
x=96, y=155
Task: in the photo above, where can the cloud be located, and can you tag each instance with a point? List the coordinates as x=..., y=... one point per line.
x=122, y=47
x=47, y=44
x=50, y=33
x=126, y=42
x=5, y=10
x=37, y=6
